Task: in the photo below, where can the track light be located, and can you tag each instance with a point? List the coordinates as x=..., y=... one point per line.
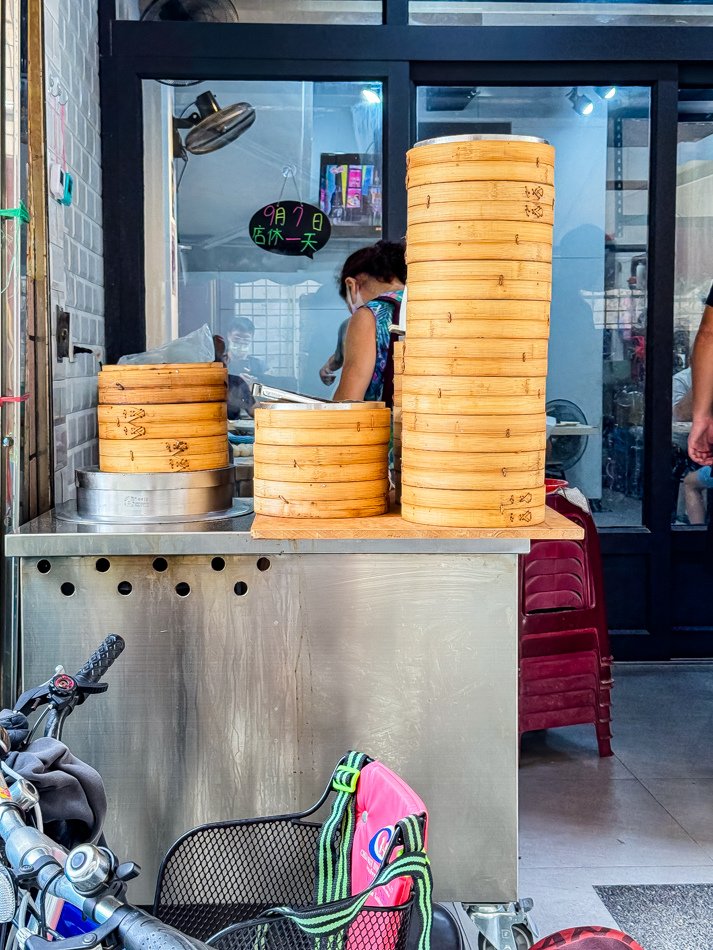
x=371, y=96
x=605, y=92
x=581, y=104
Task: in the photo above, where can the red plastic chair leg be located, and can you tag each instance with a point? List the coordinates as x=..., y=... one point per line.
x=604, y=739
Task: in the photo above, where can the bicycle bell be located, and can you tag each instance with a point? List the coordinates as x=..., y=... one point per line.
x=88, y=869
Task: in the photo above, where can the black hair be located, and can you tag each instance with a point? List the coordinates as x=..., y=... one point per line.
x=385, y=261
x=242, y=325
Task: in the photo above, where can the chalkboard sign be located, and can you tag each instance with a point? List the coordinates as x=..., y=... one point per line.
x=290, y=227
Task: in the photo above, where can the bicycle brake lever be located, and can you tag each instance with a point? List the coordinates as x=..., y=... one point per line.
x=82, y=942
x=33, y=698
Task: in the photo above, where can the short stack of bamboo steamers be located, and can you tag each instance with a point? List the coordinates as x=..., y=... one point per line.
x=480, y=216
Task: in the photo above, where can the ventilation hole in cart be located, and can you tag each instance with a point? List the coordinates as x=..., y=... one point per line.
x=44, y=566
x=263, y=564
x=218, y=564
x=241, y=588
x=103, y=565
x=124, y=588
x=67, y=589
x=183, y=589
x=160, y=564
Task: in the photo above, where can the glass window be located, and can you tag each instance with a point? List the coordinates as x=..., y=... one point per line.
x=595, y=386
x=558, y=13
x=308, y=163
x=694, y=273
x=253, y=11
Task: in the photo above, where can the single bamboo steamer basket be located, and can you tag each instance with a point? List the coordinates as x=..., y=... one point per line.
x=180, y=463
x=439, y=191
x=479, y=232
x=485, y=462
x=163, y=448
x=159, y=422
x=484, y=288
x=469, y=386
x=473, y=270
x=399, y=350
x=345, y=435
x=474, y=500
x=453, y=518
x=421, y=366
x=477, y=329
x=495, y=427
x=162, y=374
x=184, y=394
x=373, y=415
x=481, y=148
x=499, y=211
x=450, y=309
x=357, y=472
x=483, y=251
x=281, y=508
x=523, y=350
x=480, y=171
x=316, y=455
x=325, y=491
x=475, y=405
x=505, y=479
x=472, y=442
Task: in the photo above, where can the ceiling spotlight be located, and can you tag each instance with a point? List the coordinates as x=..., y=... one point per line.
x=371, y=96
x=605, y=92
x=581, y=104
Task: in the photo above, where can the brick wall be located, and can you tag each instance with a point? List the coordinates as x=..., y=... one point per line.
x=76, y=263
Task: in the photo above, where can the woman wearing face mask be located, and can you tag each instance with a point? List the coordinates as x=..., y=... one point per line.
x=372, y=284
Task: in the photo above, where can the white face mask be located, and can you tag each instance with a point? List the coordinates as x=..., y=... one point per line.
x=354, y=303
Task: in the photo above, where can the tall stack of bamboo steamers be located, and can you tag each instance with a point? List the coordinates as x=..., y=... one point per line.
x=469, y=427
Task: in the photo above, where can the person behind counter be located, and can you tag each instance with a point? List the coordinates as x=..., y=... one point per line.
x=372, y=285
x=335, y=362
x=240, y=343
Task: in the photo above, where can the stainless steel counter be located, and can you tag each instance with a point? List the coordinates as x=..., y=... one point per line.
x=49, y=536
x=252, y=665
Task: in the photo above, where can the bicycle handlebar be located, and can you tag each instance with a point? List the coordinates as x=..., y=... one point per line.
x=99, y=662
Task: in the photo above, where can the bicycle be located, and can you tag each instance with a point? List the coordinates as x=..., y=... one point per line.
x=37, y=870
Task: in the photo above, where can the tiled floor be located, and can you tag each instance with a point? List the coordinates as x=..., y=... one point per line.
x=644, y=816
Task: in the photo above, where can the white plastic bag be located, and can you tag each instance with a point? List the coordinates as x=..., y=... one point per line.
x=196, y=347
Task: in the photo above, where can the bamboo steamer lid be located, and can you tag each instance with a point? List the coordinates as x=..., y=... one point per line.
x=505, y=479
x=421, y=366
x=357, y=472
x=317, y=455
x=473, y=442
x=345, y=435
x=452, y=309
x=484, y=288
x=510, y=171
x=481, y=148
x=523, y=350
x=501, y=499
x=477, y=329
x=475, y=405
x=163, y=383
x=454, y=191
x=162, y=448
x=280, y=508
x=494, y=426
x=454, y=518
x=325, y=491
x=167, y=421
x=336, y=415
x=499, y=211
x=485, y=462
x=471, y=270
x=480, y=232
x=482, y=251
x=181, y=463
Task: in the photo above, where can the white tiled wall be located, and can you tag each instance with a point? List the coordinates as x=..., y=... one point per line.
x=76, y=262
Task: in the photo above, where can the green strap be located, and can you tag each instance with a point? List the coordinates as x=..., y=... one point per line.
x=334, y=849
x=21, y=213
x=322, y=922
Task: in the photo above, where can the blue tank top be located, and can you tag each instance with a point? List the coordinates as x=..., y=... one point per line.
x=383, y=310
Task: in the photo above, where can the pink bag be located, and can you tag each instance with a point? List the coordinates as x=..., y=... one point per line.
x=382, y=799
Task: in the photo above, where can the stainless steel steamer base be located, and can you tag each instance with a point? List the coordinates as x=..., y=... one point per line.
x=158, y=498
